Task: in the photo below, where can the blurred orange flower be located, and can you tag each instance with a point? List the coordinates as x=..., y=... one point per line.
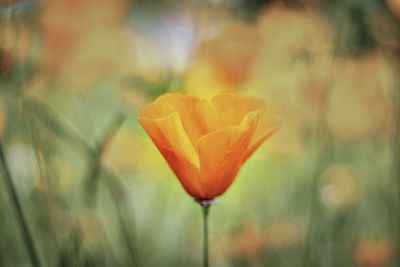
x=371, y=252
x=394, y=6
x=16, y=44
x=224, y=61
x=206, y=141
x=358, y=103
x=293, y=63
x=282, y=234
x=248, y=243
x=83, y=50
x=253, y=239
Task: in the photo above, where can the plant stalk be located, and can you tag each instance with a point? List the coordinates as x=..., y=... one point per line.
x=17, y=205
x=205, y=235
x=205, y=205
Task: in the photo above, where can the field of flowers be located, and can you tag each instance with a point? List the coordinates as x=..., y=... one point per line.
x=280, y=117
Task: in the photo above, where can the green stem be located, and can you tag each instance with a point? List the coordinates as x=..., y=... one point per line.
x=124, y=229
x=205, y=234
x=93, y=178
x=23, y=224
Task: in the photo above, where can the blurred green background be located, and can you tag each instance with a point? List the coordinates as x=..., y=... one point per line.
x=82, y=184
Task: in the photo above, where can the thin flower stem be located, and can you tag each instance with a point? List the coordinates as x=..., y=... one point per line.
x=205, y=205
x=24, y=226
x=205, y=235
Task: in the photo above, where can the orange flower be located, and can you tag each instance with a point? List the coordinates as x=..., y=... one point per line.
x=225, y=61
x=80, y=52
x=394, y=6
x=373, y=252
x=358, y=104
x=206, y=141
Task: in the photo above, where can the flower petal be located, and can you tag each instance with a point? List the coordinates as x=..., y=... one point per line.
x=221, y=155
x=257, y=142
x=268, y=124
x=231, y=108
x=172, y=141
x=195, y=113
x=159, y=108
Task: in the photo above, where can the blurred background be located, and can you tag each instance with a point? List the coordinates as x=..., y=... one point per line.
x=81, y=184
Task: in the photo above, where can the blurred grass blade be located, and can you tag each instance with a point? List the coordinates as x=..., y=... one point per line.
x=49, y=117
x=92, y=179
x=116, y=189
x=21, y=218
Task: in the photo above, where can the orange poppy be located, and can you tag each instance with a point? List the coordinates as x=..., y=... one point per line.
x=206, y=141
x=373, y=252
